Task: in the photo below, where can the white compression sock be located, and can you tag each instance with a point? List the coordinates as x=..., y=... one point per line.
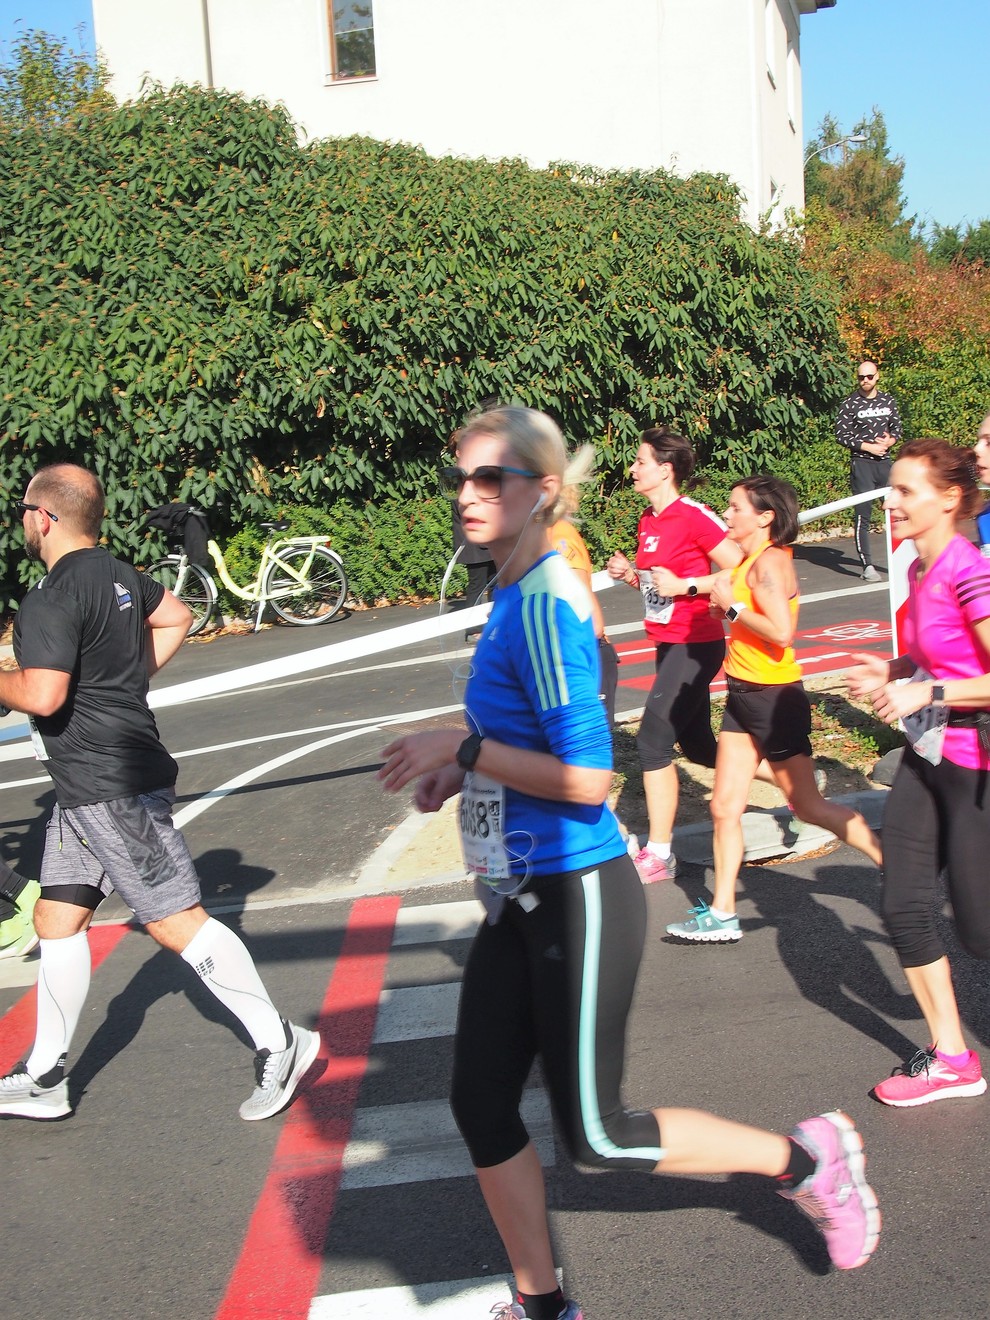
x=63, y=984
x=223, y=964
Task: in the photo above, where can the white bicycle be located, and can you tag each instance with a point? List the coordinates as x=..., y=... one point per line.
x=301, y=577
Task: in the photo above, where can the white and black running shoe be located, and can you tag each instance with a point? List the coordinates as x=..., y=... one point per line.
x=23, y=1096
x=279, y=1072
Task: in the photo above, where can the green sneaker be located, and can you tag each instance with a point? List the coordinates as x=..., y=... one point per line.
x=17, y=934
x=703, y=927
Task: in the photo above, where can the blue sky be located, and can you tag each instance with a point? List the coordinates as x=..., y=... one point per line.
x=922, y=62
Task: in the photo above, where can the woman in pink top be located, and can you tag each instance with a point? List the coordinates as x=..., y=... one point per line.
x=938, y=815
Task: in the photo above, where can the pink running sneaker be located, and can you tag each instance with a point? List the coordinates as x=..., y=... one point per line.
x=836, y=1197
x=513, y=1311
x=926, y=1077
x=652, y=868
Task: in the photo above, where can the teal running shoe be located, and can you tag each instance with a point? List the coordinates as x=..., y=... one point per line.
x=703, y=927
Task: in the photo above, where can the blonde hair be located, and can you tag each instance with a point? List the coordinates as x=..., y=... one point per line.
x=538, y=443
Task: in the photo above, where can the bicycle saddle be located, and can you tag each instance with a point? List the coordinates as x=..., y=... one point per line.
x=276, y=526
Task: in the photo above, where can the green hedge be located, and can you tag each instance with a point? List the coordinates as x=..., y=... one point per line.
x=202, y=309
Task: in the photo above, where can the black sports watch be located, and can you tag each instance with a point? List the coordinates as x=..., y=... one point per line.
x=938, y=695
x=692, y=588
x=469, y=751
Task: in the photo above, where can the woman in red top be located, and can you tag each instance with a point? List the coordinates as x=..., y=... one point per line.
x=679, y=540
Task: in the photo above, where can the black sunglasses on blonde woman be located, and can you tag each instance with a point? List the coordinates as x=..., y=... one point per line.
x=486, y=480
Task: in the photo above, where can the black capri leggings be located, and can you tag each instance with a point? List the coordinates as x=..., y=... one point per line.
x=556, y=981
x=937, y=816
x=679, y=707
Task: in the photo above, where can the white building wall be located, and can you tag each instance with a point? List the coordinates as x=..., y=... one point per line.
x=677, y=84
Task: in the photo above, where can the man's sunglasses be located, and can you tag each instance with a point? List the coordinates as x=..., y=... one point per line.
x=34, y=508
x=869, y=376
x=486, y=480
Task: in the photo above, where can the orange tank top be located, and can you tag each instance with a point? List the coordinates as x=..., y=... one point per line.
x=748, y=656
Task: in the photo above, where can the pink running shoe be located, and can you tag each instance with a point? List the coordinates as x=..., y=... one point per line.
x=836, y=1197
x=652, y=868
x=926, y=1077
x=513, y=1311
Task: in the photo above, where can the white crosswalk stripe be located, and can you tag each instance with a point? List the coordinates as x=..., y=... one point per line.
x=417, y=1141
x=438, y=1301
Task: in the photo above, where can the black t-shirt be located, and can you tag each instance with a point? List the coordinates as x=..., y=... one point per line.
x=86, y=618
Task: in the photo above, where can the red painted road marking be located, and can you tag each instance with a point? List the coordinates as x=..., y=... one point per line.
x=18, y=1023
x=280, y=1261
x=828, y=655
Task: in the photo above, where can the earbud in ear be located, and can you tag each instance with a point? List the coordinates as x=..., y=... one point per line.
x=538, y=505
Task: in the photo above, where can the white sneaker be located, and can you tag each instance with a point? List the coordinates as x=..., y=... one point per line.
x=870, y=574
x=279, y=1072
x=21, y=1096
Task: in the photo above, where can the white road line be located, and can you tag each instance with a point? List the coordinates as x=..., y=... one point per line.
x=417, y=1012
x=25, y=750
x=18, y=972
x=194, y=809
x=437, y=921
x=392, y=1145
x=375, y=721
x=422, y=1301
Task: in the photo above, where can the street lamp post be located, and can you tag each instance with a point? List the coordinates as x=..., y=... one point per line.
x=857, y=139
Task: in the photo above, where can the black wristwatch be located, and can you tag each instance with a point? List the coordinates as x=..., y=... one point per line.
x=469, y=751
x=938, y=694
x=692, y=588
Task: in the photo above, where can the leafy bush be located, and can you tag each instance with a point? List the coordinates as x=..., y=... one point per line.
x=200, y=308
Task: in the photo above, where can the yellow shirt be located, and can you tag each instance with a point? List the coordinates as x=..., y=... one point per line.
x=748, y=656
x=569, y=544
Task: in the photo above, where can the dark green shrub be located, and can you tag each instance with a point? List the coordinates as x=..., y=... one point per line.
x=202, y=309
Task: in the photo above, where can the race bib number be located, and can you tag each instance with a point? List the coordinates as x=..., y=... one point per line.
x=37, y=742
x=480, y=821
x=656, y=608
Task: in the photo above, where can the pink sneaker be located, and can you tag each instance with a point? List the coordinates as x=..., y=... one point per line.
x=926, y=1077
x=652, y=868
x=513, y=1311
x=836, y=1197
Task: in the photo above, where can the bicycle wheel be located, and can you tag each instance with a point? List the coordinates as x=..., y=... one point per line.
x=318, y=598
x=196, y=590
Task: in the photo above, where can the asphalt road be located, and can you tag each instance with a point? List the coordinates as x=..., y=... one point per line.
x=155, y=1200
x=305, y=811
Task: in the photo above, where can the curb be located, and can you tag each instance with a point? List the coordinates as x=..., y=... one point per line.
x=776, y=832
x=767, y=833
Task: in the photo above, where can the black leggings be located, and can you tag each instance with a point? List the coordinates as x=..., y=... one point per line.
x=866, y=474
x=679, y=707
x=556, y=981
x=937, y=816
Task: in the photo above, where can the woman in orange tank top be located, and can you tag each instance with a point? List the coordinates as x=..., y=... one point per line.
x=767, y=712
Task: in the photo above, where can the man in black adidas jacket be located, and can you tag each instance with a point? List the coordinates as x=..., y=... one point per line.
x=869, y=425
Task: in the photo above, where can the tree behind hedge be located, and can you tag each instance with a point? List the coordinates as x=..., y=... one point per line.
x=203, y=309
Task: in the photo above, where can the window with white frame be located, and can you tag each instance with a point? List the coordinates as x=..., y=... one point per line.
x=793, y=82
x=352, y=38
